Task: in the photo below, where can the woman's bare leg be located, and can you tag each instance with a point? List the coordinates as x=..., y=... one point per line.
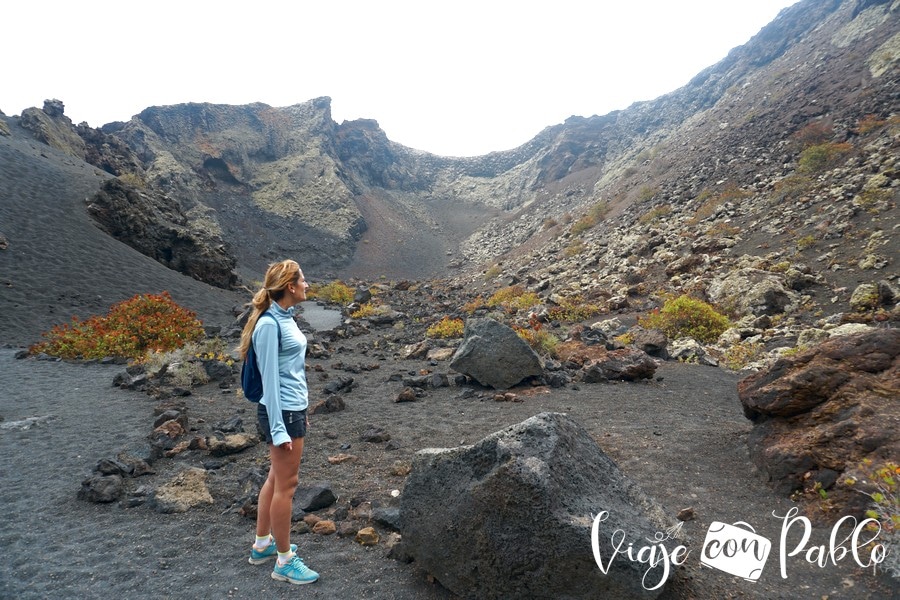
x=276, y=498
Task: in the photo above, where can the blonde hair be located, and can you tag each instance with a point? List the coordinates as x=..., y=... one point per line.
x=278, y=277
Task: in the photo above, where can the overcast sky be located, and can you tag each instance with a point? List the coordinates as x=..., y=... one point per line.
x=456, y=78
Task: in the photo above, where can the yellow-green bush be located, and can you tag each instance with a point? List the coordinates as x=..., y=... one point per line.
x=820, y=157
x=593, y=216
x=686, y=316
x=492, y=272
x=132, y=179
x=540, y=341
x=573, y=309
x=131, y=328
x=742, y=354
x=365, y=310
x=447, y=327
x=513, y=299
x=335, y=292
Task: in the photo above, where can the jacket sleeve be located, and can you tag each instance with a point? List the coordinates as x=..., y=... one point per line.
x=265, y=343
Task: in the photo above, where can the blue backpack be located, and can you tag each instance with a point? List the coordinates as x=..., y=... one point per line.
x=251, y=378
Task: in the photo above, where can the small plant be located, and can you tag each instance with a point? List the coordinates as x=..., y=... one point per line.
x=686, y=316
x=184, y=366
x=549, y=223
x=792, y=187
x=365, y=310
x=513, y=299
x=814, y=134
x=710, y=201
x=335, y=292
x=493, y=272
x=132, y=179
x=626, y=339
x=447, y=327
x=572, y=310
x=807, y=241
x=742, y=354
x=593, y=216
x=820, y=157
x=655, y=214
x=869, y=123
x=473, y=305
x=575, y=248
x=646, y=193
x=542, y=342
x=722, y=229
x=885, y=507
x=131, y=328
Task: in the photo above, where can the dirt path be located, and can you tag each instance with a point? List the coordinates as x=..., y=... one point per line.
x=682, y=438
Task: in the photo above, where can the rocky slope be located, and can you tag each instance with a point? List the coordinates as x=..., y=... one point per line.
x=779, y=163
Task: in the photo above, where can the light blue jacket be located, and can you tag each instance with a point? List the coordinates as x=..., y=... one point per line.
x=283, y=371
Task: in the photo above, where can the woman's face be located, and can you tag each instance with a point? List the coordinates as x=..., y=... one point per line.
x=297, y=290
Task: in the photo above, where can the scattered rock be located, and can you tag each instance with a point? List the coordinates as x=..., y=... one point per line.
x=184, y=491
x=374, y=435
x=494, y=355
x=315, y=497
x=367, y=536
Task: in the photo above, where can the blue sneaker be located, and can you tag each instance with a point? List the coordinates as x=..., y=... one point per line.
x=258, y=557
x=294, y=571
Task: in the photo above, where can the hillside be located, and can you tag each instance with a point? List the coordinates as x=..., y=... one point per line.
x=780, y=160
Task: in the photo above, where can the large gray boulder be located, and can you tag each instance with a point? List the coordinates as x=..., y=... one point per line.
x=494, y=355
x=511, y=517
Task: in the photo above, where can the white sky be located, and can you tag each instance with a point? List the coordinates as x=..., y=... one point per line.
x=456, y=78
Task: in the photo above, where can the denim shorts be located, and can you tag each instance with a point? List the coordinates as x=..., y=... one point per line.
x=294, y=423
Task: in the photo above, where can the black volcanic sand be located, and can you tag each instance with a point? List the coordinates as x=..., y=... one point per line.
x=682, y=438
x=58, y=264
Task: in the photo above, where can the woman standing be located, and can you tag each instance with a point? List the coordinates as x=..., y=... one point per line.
x=280, y=349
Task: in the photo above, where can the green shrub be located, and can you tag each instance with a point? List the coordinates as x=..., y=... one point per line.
x=184, y=366
x=593, y=216
x=820, y=157
x=541, y=341
x=572, y=310
x=335, y=292
x=493, y=272
x=646, y=193
x=447, y=327
x=130, y=329
x=364, y=310
x=742, y=354
x=512, y=299
x=884, y=508
x=805, y=242
x=686, y=316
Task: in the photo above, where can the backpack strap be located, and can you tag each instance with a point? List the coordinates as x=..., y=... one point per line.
x=277, y=326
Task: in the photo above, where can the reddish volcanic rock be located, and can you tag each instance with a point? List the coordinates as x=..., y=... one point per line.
x=820, y=413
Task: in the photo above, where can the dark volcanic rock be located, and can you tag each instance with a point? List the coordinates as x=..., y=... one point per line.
x=494, y=355
x=511, y=516
x=156, y=226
